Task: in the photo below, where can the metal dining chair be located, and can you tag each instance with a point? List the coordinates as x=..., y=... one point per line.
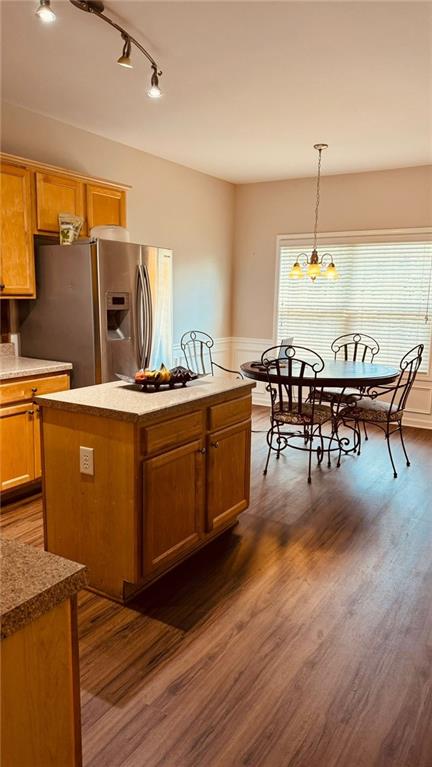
x=353, y=347
x=291, y=403
x=357, y=347
x=197, y=350
x=388, y=415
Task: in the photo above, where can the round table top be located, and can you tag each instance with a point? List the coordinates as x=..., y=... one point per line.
x=335, y=373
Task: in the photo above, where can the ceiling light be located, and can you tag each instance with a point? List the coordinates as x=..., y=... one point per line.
x=44, y=12
x=96, y=8
x=124, y=59
x=314, y=262
x=154, y=92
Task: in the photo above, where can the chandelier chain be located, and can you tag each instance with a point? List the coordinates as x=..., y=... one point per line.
x=317, y=202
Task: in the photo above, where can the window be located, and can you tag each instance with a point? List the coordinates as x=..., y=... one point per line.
x=383, y=290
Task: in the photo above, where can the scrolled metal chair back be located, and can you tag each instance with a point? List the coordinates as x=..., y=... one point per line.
x=197, y=349
x=355, y=347
x=409, y=366
x=287, y=367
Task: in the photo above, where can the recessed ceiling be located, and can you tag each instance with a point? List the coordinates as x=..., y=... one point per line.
x=249, y=87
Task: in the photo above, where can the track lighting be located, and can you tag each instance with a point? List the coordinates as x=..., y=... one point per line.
x=124, y=59
x=154, y=92
x=96, y=8
x=44, y=12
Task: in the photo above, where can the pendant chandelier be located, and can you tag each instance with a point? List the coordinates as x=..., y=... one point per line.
x=314, y=262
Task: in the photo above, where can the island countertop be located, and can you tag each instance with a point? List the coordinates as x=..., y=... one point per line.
x=125, y=402
x=33, y=582
x=23, y=367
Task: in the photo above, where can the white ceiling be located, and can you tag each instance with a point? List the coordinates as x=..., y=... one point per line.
x=249, y=87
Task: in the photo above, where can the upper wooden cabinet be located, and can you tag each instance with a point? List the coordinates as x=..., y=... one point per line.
x=105, y=206
x=57, y=194
x=33, y=195
x=16, y=252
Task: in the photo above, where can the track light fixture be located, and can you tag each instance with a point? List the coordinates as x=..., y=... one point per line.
x=124, y=59
x=44, y=12
x=155, y=91
x=96, y=7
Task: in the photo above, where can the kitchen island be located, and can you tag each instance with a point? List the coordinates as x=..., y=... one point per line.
x=161, y=475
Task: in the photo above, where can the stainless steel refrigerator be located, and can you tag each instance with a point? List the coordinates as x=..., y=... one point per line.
x=104, y=306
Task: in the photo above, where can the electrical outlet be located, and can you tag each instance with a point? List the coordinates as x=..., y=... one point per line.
x=86, y=460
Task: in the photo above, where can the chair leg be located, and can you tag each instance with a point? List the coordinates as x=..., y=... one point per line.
x=408, y=463
x=269, y=441
x=279, y=448
x=358, y=429
x=320, y=452
x=267, y=461
x=387, y=436
x=310, y=458
x=365, y=431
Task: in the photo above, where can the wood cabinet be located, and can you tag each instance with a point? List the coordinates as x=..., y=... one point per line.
x=16, y=253
x=33, y=195
x=228, y=472
x=57, y=194
x=173, y=503
x=20, y=428
x=105, y=206
x=159, y=491
x=17, y=446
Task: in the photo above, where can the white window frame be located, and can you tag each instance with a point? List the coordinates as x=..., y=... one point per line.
x=304, y=240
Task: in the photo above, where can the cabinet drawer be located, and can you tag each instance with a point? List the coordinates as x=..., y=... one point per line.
x=172, y=433
x=227, y=413
x=27, y=388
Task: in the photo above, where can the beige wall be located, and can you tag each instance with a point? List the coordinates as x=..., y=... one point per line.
x=168, y=205
x=377, y=200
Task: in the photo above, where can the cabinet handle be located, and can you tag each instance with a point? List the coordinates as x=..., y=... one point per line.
x=2, y=286
x=202, y=450
x=29, y=412
x=34, y=389
x=214, y=444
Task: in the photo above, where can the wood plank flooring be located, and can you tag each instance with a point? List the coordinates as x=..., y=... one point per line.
x=301, y=639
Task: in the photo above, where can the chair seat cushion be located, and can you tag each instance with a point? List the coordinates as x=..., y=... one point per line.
x=321, y=413
x=334, y=393
x=373, y=410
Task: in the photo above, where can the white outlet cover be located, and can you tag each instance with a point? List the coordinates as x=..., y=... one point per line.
x=86, y=460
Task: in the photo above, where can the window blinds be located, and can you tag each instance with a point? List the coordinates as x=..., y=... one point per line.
x=382, y=291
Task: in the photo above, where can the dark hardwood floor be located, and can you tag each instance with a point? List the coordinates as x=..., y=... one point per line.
x=301, y=639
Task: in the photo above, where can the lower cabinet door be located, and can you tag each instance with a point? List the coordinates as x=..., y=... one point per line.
x=17, y=445
x=173, y=504
x=228, y=474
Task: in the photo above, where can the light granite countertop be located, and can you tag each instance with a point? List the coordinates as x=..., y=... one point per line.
x=123, y=401
x=22, y=367
x=32, y=583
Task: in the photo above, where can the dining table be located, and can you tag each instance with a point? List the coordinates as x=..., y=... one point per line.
x=362, y=377
x=357, y=375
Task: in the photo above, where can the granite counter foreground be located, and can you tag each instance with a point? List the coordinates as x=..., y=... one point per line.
x=32, y=583
x=39, y=693
x=124, y=402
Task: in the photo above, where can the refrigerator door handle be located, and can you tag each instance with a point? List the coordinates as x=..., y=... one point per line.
x=139, y=318
x=147, y=314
